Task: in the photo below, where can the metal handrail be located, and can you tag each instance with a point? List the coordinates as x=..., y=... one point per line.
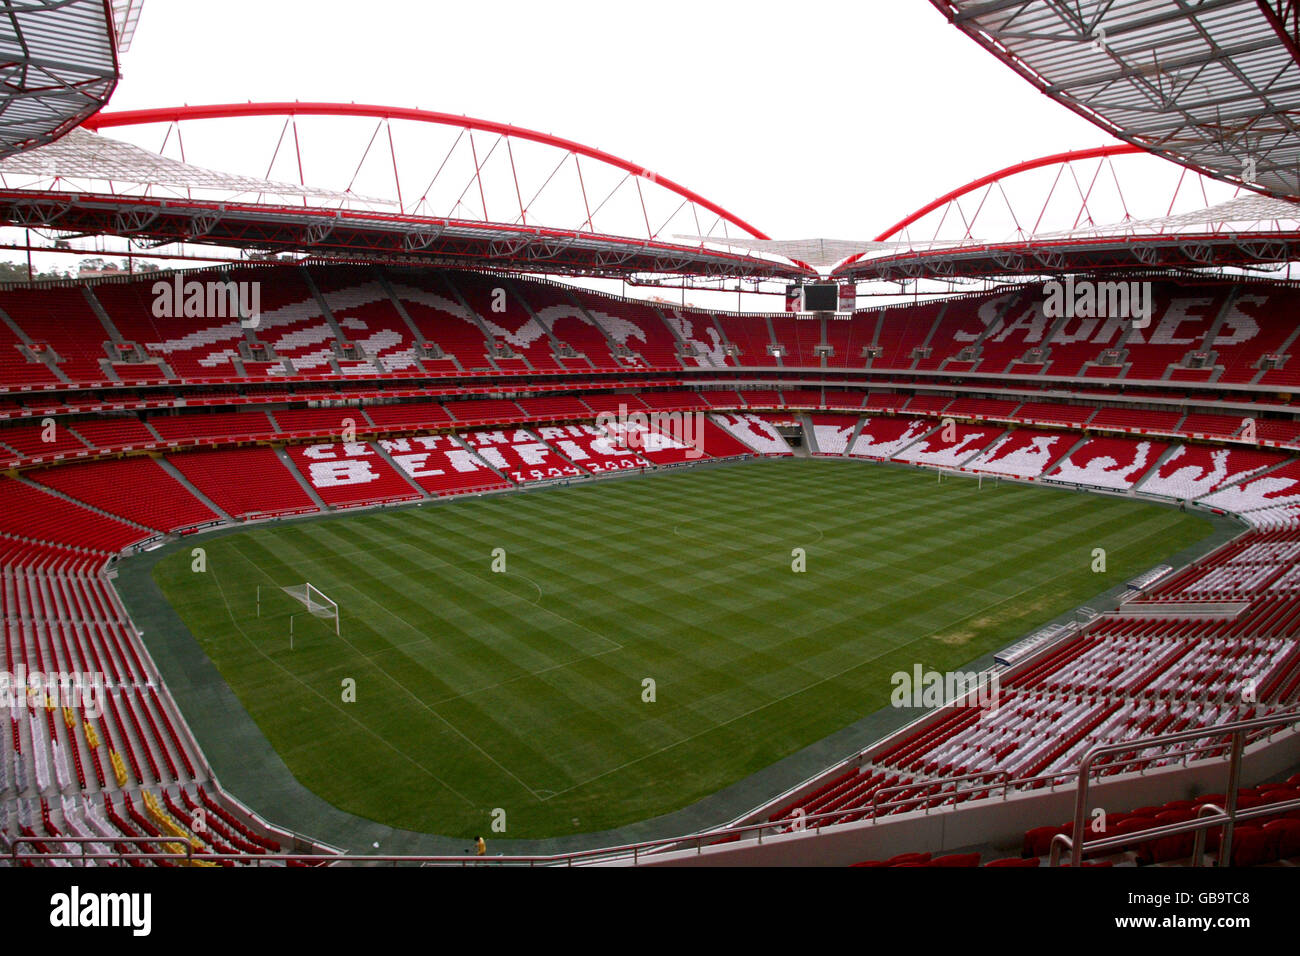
x=1237, y=730
x=1054, y=851
x=1198, y=841
x=1008, y=783
x=701, y=839
x=15, y=858
x=1197, y=825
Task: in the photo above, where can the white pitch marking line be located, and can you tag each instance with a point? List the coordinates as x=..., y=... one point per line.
x=410, y=693
x=383, y=740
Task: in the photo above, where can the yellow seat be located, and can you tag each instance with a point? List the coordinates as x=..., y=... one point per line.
x=119, y=768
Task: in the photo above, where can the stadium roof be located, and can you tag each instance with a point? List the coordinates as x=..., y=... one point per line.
x=126, y=14
x=1211, y=84
x=821, y=254
x=1100, y=253
x=362, y=235
x=1060, y=223
x=59, y=67
x=1246, y=230
x=92, y=185
x=87, y=184
x=83, y=157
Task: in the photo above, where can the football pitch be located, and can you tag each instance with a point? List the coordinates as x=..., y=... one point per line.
x=502, y=648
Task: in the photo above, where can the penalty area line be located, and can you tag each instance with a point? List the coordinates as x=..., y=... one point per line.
x=333, y=706
x=396, y=682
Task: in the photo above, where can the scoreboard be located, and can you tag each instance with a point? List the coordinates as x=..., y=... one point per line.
x=821, y=297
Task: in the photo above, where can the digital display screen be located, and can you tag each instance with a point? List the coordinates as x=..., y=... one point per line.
x=821, y=298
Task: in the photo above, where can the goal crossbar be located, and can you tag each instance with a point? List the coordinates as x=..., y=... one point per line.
x=316, y=602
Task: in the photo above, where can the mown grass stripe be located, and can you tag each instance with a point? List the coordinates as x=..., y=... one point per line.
x=523, y=690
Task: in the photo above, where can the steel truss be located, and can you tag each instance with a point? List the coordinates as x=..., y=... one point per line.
x=370, y=236
x=58, y=67
x=1211, y=84
x=499, y=196
x=1108, y=209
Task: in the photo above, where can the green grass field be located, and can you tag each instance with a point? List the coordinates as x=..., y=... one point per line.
x=523, y=690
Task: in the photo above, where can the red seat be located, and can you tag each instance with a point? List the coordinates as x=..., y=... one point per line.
x=1278, y=796
x=1132, y=825
x=1176, y=847
x=1288, y=831
x=1246, y=801
x=1038, y=841
x=1252, y=846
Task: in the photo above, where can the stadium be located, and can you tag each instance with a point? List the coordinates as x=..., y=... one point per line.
x=396, y=487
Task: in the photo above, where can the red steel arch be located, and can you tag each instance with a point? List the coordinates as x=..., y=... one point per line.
x=1098, y=152
x=1218, y=234
x=174, y=114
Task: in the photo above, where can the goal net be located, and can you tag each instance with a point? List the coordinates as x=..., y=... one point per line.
x=317, y=604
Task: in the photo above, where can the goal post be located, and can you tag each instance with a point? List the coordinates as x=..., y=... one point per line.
x=318, y=604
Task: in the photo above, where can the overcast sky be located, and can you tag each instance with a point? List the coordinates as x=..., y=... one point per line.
x=811, y=119
x=815, y=119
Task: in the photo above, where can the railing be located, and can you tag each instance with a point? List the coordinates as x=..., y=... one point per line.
x=1005, y=782
x=1225, y=817
x=16, y=859
x=635, y=852
x=190, y=857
